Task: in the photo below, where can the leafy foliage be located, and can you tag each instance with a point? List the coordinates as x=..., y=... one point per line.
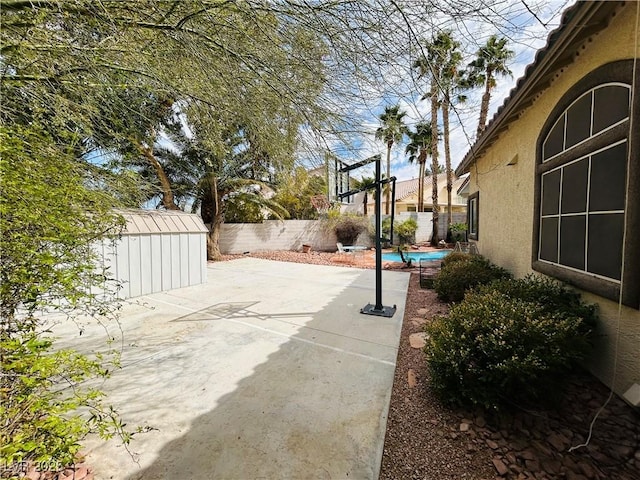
x=459, y=274
x=510, y=342
x=456, y=257
x=348, y=227
x=51, y=223
x=49, y=220
x=35, y=424
x=406, y=230
x=458, y=232
x=294, y=192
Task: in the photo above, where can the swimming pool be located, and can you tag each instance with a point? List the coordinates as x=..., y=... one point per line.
x=415, y=256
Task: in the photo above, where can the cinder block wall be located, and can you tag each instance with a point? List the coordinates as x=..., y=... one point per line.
x=236, y=238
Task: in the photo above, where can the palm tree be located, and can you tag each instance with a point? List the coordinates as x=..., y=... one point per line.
x=391, y=131
x=433, y=65
x=418, y=149
x=491, y=60
x=370, y=184
x=452, y=84
x=428, y=172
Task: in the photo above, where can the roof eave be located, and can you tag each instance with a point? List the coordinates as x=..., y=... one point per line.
x=537, y=74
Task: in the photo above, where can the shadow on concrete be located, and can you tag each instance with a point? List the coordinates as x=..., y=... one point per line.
x=316, y=408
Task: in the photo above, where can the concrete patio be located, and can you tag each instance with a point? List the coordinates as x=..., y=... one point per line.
x=267, y=371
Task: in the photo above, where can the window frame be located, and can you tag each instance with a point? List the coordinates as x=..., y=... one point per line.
x=628, y=288
x=473, y=211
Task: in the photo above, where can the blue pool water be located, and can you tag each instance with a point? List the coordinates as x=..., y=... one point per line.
x=415, y=256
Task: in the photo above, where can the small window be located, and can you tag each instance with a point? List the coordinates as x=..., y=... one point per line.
x=473, y=204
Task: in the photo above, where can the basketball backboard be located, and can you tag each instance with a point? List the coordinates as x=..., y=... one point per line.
x=337, y=182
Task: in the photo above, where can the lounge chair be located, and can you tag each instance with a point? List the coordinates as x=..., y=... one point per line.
x=350, y=248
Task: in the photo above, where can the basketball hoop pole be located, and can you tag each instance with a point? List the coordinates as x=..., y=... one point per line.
x=378, y=309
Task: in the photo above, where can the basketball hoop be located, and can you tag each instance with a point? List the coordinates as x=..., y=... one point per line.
x=321, y=204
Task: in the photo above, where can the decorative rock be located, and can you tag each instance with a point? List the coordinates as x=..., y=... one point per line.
x=574, y=476
x=411, y=378
x=418, y=321
x=527, y=455
x=481, y=422
x=464, y=427
x=32, y=474
x=417, y=340
x=81, y=472
x=423, y=312
x=532, y=465
x=559, y=441
x=586, y=469
x=492, y=445
x=543, y=449
x=569, y=463
x=551, y=466
x=501, y=468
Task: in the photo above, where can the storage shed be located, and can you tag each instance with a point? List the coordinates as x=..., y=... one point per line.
x=159, y=250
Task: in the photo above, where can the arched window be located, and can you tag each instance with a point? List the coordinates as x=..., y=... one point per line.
x=587, y=187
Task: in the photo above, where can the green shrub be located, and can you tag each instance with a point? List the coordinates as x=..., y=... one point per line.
x=406, y=231
x=551, y=295
x=495, y=348
x=459, y=275
x=385, y=228
x=458, y=232
x=348, y=227
x=456, y=257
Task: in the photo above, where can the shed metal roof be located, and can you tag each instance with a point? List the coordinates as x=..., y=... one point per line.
x=161, y=221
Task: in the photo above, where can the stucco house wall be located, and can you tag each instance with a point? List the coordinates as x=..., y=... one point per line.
x=504, y=176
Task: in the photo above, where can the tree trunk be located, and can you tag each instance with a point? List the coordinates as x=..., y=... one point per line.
x=421, y=185
x=167, y=194
x=217, y=219
x=447, y=158
x=366, y=200
x=388, y=193
x=434, y=158
x=484, y=106
x=213, y=237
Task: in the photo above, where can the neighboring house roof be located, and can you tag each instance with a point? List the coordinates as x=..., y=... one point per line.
x=463, y=189
x=161, y=221
x=408, y=188
x=578, y=23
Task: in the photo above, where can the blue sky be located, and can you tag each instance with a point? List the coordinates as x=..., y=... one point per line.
x=527, y=34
